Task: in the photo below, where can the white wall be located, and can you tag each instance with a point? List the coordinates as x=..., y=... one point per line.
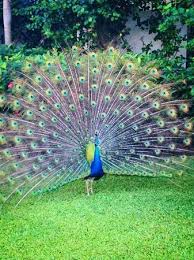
x=138, y=37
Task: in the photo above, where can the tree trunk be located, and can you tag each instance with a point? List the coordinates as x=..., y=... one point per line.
x=7, y=21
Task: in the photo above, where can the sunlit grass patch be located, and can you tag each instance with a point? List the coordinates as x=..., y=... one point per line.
x=128, y=217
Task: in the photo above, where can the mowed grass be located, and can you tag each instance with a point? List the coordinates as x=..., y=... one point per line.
x=126, y=218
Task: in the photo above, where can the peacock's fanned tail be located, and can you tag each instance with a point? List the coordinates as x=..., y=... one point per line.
x=57, y=106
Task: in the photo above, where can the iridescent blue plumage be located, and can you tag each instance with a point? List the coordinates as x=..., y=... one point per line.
x=96, y=166
x=96, y=170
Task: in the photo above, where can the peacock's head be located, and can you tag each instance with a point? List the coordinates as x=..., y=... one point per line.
x=96, y=141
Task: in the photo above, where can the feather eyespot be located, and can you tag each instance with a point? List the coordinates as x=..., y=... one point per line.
x=111, y=49
x=82, y=79
x=109, y=82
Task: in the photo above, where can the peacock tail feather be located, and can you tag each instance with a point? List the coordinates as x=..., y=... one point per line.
x=50, y=117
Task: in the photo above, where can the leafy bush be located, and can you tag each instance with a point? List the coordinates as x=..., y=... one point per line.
x=173, y=13
x=11, y=59
x=56, y=23
x=166, y=22
x=62, y=22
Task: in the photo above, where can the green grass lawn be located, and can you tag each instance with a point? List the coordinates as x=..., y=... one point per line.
x=126, y=218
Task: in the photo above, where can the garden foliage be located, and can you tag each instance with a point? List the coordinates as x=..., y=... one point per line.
x=41, y=25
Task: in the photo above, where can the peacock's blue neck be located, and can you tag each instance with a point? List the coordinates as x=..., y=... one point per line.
x=96, y=165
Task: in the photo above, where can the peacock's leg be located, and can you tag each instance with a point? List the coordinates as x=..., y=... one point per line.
x=87, y=187
x=91, y=186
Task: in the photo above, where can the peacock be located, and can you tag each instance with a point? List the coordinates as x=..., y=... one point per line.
x=86, y=113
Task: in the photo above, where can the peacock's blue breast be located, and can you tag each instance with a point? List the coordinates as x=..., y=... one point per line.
x=96, y=166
